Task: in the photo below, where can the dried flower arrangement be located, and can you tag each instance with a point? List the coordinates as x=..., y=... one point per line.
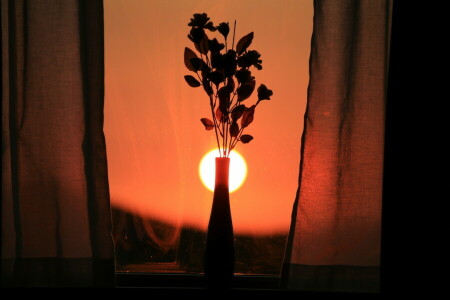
x=227, y=80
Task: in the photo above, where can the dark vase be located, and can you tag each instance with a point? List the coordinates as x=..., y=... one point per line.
x=219, y=249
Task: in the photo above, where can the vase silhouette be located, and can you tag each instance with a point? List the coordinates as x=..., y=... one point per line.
x=219, y=248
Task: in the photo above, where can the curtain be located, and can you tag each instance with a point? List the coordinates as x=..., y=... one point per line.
x=334, y=241
x=56, y=219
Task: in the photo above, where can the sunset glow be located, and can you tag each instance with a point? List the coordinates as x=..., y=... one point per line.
x=154, y=136
x=238, y=170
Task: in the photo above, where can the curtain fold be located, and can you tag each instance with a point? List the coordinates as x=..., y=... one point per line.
x=334, y=241
x=56, y=218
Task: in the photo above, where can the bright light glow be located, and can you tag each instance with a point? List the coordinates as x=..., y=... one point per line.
x=238, y=170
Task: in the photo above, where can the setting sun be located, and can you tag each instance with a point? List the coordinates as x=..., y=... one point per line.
x=238, y=170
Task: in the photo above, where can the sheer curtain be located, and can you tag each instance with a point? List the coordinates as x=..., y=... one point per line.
x=56, y=220
x=334, y=242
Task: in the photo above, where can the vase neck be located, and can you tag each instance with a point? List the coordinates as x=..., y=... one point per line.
x=222, y=170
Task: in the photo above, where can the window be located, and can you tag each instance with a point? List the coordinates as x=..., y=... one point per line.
x=155, y=140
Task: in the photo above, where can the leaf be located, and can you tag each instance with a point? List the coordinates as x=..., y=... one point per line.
x=197, y=63
x=214, y=45
x=192, y=81
x=196, y=34
x=188, y=56
x=237, y=112
x=246, y=90
x=230, y=85
x=205, y=69
x=243, y=43
x=224, y=100
x=207, y=87
x=247, y=117
x=202, y=45
x=217, y=60
x=224, y=94
x=209, y=125
x=246, y=138
x=216, y=77
x=234, y=129
x=243, y=76
x=220, y=116
x=264, y=93
x=230, y=63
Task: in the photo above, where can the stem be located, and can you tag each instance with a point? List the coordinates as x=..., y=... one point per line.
x=227, y=129
x=234, y=32
x=207, y=60
x=214, y=106
x=230, y=143
x=236, y=140
x=215, y=122
x=234, y=95
x=216, y=95
x=241, y=131
x=225, y=136
x=201, y=81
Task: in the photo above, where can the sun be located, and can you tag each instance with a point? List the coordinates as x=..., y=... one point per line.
x=238, y=170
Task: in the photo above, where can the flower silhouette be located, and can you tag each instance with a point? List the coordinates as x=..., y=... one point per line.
x=201, y=21
x=224, y=29
x=250, y=58
x=264, y=93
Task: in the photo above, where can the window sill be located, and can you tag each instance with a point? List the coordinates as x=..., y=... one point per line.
x=193, y=283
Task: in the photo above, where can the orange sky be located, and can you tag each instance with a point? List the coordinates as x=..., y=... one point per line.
x=154, y=137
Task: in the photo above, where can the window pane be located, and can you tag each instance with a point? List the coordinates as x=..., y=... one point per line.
x=155, y=140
